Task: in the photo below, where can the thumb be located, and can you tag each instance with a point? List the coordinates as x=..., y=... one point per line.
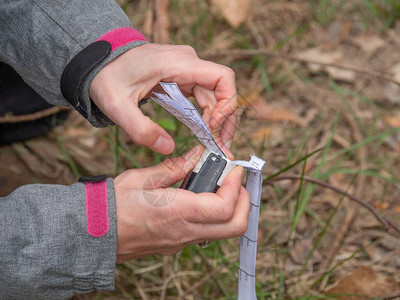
x=172, y=170
x=144, y=131
x=162, y=175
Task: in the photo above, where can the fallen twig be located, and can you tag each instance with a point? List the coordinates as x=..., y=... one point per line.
x=385, y=223
x=33, y=116
x=351, y=208
x=249, y=52
x=206, y=278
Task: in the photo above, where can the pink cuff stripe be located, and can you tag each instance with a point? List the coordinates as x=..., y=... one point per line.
x=121, y=36
x=96, y=208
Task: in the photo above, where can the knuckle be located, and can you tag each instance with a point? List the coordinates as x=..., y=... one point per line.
x=174, y=165
x=169, y=164
x=230, y=107
x=188, y=48
x=175, y=243
x=140, y=135
x=227, y=212
x=230, y=72
x=241, y=227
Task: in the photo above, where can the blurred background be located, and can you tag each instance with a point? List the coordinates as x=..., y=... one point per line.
x=319, y=94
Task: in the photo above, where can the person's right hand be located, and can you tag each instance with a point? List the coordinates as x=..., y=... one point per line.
x=121, y=84
x=153, y=218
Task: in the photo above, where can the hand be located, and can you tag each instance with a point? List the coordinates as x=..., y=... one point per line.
x=120, y=85
x=153, y=218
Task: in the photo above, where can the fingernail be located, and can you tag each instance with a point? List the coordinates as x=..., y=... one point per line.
x=228, y=144
x=241, y=171
x=189, y=154
x=164, y=145
x=228, y=152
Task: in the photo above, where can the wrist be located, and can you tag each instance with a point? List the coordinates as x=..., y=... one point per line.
x=84, y=66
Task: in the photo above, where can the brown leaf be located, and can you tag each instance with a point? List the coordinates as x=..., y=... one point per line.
x=246, y=101
x=391, y=121
x=381, y=205
x=369, y=43
x=366, y=223
x=75, y=132
x=40, y=157
x=266, y=112
x=300, y=251
x=235, y=12
x=317, y=60
x=222, y=41
x=363, y=283
x=391, y=89
x=395, y=70
x=262, y=134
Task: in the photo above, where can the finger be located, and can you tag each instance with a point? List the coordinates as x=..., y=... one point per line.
x=218, y=78
x=222, y=111
x=232, y=184
x=228, y=152
x=142, y=130
x=145, y=132
x=237, y=226
x=224, y=148
x=210, y=76
x=205, y=98
x=224, y=100
x=212, y=208
x=228, y=130
x=172, y=170
x=162, y=175
x=219, y=111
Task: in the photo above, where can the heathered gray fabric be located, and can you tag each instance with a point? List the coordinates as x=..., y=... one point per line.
x=99, y=119
x=39, y=37
x=45, y=250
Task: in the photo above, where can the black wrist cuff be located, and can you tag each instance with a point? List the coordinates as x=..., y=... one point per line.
x=97, y=178
x=78, y=69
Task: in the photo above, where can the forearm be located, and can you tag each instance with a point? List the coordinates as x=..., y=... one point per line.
x=39, y=38
x=46, y=251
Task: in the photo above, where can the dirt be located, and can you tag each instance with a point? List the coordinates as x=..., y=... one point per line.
x=343, y=93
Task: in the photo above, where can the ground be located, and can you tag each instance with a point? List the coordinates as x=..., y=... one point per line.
x=310, y=75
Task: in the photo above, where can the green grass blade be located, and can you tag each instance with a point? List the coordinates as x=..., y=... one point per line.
x=124, y=152
x=64, y=151
x=370, y=173
x=343, y=261
x=296, y=209
x=292, y=165
x=364, y=142
x=325, y=228
x=300, y=209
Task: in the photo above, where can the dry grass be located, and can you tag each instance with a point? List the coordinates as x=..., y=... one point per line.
x=290, y=108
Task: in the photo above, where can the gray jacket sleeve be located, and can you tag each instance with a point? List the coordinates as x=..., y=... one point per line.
x=39, y=37
x=45, y=250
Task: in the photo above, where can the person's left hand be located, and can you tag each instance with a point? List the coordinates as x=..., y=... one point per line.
x=153, y=218
x=121, y=84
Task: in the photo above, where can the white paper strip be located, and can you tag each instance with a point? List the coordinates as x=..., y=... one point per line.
x=178, y=105
x=248, y=241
